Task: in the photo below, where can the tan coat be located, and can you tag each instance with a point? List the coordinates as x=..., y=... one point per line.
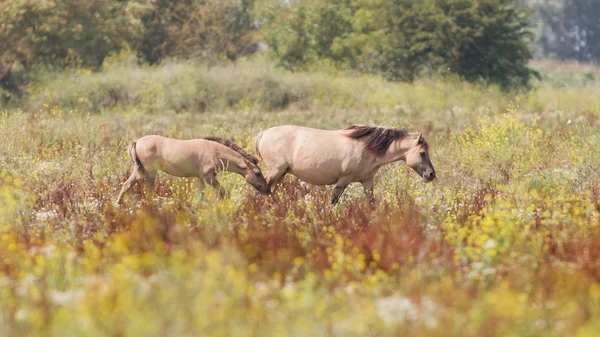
x=201, y=158
x=326, y=157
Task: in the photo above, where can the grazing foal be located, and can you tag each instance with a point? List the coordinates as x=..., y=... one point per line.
x=201, y=158
x=353, y=154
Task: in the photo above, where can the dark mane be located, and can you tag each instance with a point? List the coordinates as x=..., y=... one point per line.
x=233, y=146
x=377, y=139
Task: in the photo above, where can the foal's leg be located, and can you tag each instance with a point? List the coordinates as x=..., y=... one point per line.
x=127, y=185
x=212, y=180
x=368, y=187
x=149, y=186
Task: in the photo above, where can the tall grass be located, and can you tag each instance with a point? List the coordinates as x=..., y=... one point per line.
x=256, y=85
x=504, y=242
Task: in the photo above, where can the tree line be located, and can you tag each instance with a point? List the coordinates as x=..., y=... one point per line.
x=487, y=40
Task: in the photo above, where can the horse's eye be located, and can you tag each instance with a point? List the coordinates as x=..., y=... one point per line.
x=257, y=174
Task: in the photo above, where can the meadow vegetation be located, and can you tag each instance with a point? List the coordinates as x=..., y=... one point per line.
x=505, y=242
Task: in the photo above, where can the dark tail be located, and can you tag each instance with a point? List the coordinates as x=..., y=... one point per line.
x=134, y=158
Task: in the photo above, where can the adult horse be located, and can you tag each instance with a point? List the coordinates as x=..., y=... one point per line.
x=353, y=154
x=201, y=158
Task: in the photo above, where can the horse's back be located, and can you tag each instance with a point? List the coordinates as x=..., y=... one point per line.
x=293, y=141
x=316, y=156
x=174, y=156
x=148, y=146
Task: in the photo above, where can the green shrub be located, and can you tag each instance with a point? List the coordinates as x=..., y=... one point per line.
x=402, y=39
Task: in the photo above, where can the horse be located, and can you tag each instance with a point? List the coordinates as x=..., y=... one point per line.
x=201, y=158
x=340, y=157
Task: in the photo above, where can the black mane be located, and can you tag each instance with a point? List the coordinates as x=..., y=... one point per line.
x=378, y=139
x=233, y=146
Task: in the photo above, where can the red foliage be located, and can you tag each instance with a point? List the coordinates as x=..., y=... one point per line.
x=392, y=232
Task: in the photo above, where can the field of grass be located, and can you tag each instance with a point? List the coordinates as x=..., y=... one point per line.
x=505, y=242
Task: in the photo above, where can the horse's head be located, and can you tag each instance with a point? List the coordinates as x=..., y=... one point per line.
x=255, y=178
x=417, y=157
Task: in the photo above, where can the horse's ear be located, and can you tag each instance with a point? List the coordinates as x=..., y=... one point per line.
x=418, y=139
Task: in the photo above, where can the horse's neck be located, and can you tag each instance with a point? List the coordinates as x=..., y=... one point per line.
x=396, y=151
x=232, y=161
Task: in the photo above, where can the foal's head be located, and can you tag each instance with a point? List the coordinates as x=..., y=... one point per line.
x=249, y=169
x=417, y=157
x=254, y=177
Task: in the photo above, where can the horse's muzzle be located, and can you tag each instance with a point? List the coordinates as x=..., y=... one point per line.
x=429, y=176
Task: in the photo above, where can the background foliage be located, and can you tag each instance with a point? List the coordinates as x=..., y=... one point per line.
x=505, y=242
x=485, y=40
x=402, y=39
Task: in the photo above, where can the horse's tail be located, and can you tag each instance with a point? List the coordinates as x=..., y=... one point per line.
x=134, y=158
x=256, y=141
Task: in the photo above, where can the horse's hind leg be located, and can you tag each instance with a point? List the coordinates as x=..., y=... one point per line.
x=127, y=185
x=149, y=185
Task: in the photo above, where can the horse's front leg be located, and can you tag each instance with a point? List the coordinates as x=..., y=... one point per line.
x=339, y=189
x=275, y=175
x=201, y=185
x=368, y=187
x=337, y=194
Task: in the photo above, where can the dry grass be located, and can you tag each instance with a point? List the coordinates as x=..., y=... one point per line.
x=504, y=242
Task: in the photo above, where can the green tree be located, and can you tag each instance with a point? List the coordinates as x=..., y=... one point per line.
x=44, y=31
x=204, y=29
x=400, y=39
x=303, y=31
